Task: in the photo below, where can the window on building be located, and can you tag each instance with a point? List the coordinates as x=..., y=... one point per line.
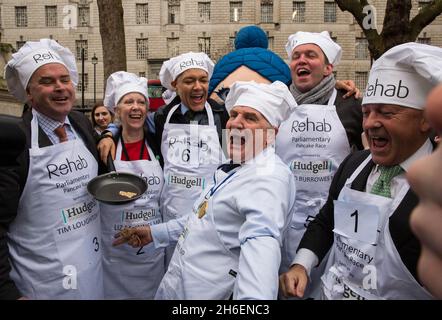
x=142, y=48
x=174, y=11
x=361, y=79
x=142, y=74
x=0, y=17
x=235, y=11
x=204, y=11
x=21, y=16
x=361, y=49
x=271, y=41
x=80, y=82
x=329, y=11
x=424, y=39
x=51, y=16
x=154, y=68
x=173, y=47
x=142, y=13
x=83, y=15
x=232, y=43
x=78, y=45
x=19, y=44
x=266, y=11
x=204, y=45
x=298, y=14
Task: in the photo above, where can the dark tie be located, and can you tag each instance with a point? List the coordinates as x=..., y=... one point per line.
x=228, y=166
x=382, y=184
x=198, y=116
x=189, y=115
x=61, y=133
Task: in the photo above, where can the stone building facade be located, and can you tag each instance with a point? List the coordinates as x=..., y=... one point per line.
x=158, y=29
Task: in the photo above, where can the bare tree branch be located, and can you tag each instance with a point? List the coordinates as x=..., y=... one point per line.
x=426, y=16
x=397, y=27
x=356, y=8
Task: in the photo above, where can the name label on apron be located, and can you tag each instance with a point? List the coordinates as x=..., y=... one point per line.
x=78, y=211
x=312, y=170
x=187, y=182
x=141, y=216
x=194, y=146
x=357, y=221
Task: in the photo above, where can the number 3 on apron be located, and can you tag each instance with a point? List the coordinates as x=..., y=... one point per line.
x=56, y=236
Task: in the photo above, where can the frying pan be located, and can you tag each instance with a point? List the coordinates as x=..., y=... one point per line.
x=107, y=187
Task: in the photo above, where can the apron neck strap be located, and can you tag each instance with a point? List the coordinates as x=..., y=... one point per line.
x=331, y=101
x=358, y=171
x=211, y=120
x=169, y=115
x=123, y=147
x=34, y=129
x=120, y=150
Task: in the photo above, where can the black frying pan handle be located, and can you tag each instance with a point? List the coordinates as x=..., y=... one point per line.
x=110, y=163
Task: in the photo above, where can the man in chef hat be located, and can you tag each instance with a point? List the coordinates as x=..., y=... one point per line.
x=318, y=135
x=231, y=240
x=43, y=251
x=365, y=221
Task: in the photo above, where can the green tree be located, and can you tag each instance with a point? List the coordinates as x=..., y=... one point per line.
x=112, y=36
x=397, y=26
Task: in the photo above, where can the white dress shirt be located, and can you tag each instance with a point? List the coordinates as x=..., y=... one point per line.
x=48, y=126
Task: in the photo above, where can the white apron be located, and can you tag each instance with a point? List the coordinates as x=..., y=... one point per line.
x=191, y=154
x=133, y=273
x=313, y=142
x=201, y=266
x=363, y=262
x=55, y=239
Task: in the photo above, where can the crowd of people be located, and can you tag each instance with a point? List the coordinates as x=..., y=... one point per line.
x=266, y=193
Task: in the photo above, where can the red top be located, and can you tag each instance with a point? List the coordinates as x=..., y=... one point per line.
x=133, y=150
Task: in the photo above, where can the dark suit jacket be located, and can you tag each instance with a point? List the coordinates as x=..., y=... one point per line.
x=319, y=235
x=350, y=113
x=12, y=183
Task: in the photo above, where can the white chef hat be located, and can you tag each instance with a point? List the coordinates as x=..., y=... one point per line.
x=31, y=56
x=172, y=68
x=274, y=101
x=331, y=49
x=404, y=75
x=120, y=83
